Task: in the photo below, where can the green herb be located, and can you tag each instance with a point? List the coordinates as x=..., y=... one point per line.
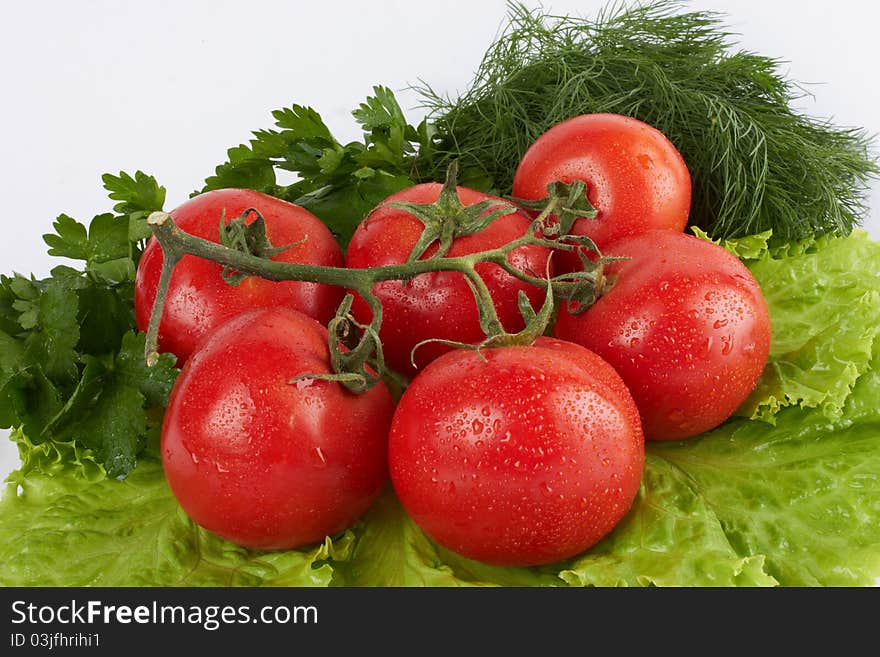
x=71, y=362
x=338, y=183
x=756, y=164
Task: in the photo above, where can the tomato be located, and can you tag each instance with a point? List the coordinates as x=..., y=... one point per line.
x=685, y=325
x=527, y=457
x=439, y=305
x=261, y=461
x=635, y=177
x=199, y=300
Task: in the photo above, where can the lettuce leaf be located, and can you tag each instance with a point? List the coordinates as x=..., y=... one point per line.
x=804, y=493
x=393, y=551
x=65, y=525
x=824, y=305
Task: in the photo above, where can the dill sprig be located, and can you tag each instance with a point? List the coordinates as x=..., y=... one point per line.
x=756, y=164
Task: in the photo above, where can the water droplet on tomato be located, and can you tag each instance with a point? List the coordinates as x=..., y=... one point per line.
x=719, y=323
x=477, y=426
x=318, y=458
x=547, y=489
x=634, y=342
x=706, y=347
x=726, y=345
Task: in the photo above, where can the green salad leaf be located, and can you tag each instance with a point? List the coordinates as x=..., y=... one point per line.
x=393, y=551
x=62, y=529
x=825, y=309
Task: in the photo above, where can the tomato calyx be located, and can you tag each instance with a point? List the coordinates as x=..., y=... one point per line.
x=448, y=218
x=355, y=352
x=248, y=238
x=564, y=204
x=536, y=324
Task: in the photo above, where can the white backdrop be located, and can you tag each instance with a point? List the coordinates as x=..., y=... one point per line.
x=168, y=86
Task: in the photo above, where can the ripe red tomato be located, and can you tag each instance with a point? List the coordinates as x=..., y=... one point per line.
x=635, y=177
x=527, y=457
x=685, y=325
x=263, y=462
x=199, y=300
x=439, y=305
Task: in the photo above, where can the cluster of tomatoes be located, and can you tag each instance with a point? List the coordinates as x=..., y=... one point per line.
x=515, y=455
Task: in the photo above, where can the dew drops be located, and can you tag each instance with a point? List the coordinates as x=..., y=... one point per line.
x=318, y=458
x=477, y=426
x=706, y=347
x=726, y=345
x=719, y=323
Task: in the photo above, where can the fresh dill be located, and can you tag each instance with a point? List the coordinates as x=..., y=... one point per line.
x=756, y=164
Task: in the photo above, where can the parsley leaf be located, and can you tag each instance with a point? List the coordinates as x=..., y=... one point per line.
x=340, y=183
x=72, y=368
x=138, y=193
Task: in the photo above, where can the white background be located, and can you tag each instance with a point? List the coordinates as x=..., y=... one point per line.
x=166, y=87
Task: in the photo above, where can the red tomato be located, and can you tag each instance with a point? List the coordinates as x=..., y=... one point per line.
x=439, y=305
x=199, y=300
x=635, y=177
x=263, y=462
x=685, y=325
x=527, y=457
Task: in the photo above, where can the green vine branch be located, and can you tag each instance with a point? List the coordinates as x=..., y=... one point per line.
x=356, y=350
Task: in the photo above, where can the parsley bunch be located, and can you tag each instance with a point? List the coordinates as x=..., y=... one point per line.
x=71, y=360
x=340, y=183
